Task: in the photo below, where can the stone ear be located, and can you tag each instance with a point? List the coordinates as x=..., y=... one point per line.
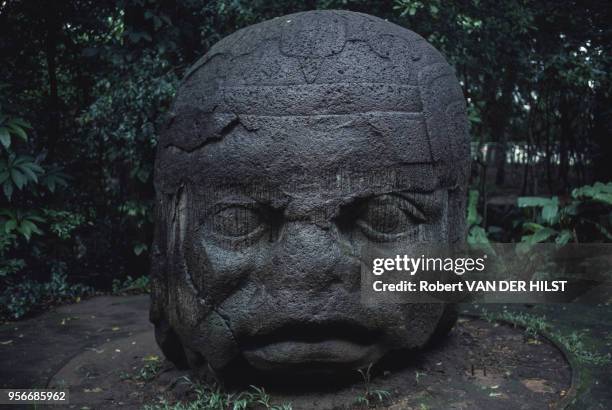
x=164, y=244
x=171, y=215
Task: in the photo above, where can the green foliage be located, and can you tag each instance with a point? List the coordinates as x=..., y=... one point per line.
x=25, y=228
x=370, y=396
x=575, y=344
x=16, y=171
x=477, y=235
x=585, y=216
x=11, y=266
x=12, y=127
x=20, y=222
x=25, y=297
x=535, y=326
x=214, y=398
x=147, y=373
x=598, y=192
x=86, y=86
x=63, y=223
x=54, y=177
x=131, y=285
x=122, y=125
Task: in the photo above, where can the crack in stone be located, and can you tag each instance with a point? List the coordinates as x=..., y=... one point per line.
x=226, y=321
x=216, y=137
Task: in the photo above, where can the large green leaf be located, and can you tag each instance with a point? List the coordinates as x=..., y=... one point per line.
x=536, y=201
x=18, y=178
x=597, y=192
x=17, y=130
x=36, y=218
x=10, y=225
x=550, y=211
x=53, y=178
x=564, y=237
x=20, y=123
x=27, y=171
x=532, y=226
x=5, y=137
x=34, y=167
x=527, y=241
x=29, y=227
x=540, y=235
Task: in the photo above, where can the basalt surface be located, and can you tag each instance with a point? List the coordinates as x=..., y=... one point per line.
x=292, y=144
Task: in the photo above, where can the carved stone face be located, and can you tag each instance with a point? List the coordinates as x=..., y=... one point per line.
x=293, y=144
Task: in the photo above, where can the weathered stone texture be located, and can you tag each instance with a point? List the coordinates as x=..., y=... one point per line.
x=293, y=143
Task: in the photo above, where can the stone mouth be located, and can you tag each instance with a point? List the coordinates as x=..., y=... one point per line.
x=308, y=332
x=307, y=347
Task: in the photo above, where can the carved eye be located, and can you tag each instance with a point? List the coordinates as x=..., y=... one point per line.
x=388, y=218
x=237, y=221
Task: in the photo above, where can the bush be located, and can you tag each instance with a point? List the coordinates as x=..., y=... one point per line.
x=19, y=300
x=131, y=286
x=584, y=218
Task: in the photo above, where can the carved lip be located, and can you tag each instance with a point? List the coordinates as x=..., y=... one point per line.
x=309, y=332
x=312, y=345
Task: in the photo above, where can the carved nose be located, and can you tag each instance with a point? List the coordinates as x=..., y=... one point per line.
x=308, y=256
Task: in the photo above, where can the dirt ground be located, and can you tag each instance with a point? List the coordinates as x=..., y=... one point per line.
x=103, y=350
x=33, y=350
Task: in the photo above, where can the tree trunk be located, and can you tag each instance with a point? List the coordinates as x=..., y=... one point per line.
x=565, y=135
x=500, y=124
x=53, y=124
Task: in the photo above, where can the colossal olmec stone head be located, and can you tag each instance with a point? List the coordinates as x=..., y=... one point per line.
x=294, y=143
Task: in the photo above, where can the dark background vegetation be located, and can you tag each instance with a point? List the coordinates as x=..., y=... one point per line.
x=85, y=85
